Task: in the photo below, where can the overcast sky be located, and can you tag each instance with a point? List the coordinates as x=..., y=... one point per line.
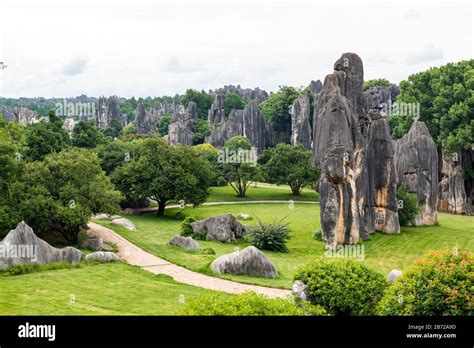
x=143, y=48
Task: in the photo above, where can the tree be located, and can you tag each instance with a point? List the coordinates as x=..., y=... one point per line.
x=409, y=208
x=446, y=97
x=202, y=99
x=44, y=138
x=232, y=101
x=210, y=154
x=291, y=165
x=375, y=83
x=112, y=155
x=163, y=124
x=164, y=173
x=114, y=129
x=85, y=134
x=201, y=130
x=236, y=169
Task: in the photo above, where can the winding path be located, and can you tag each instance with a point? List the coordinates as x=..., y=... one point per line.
x=151, y=263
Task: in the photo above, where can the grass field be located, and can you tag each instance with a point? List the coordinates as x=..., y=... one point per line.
x=261, y=192
x=104, y=289
x=383, y=252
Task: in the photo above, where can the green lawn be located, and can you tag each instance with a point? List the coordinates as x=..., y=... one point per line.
x=104, y=289
x=383, y=252
x=227, y=194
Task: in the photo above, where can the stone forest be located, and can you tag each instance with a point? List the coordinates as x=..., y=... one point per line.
x=344, y=197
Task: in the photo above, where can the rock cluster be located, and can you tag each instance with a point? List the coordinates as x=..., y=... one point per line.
x=20, y=115
x=300, y=126
x=181, y=126
x=353, y=148
x=108, y=110
x=147, y=119
x=417, y=168
x=244, y=93
x=216, y=112
x=21, y=246
x=249, y=261
x=223, y=228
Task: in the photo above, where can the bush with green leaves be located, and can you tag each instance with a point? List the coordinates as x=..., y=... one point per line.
x=342, y=287
x=269, y=236
x=248, y=304
x=440, y=284
x=409, y=207
x=186, y=229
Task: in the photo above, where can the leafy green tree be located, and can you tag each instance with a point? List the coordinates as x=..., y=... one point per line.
x=237, y=171
x=376, y=83
x=85, y=134
x=202, y=99
x=44, y=138
x=409, y=208
x=291, y=165
x=210, y=154
x=114, y=129
x=276, y=109
x=112, y=155
x=164, y=173
x=232, y=101
x=446, y=97
x=162, y=126
x=201, y=130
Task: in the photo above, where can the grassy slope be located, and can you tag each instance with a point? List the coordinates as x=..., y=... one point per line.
x=105, y=289
x=382, y=252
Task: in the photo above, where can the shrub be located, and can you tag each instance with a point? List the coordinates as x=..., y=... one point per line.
x=318, y=235
x=248, y=304
x=208, y=251
x=342, y=287
x=440, y=284
x=272, y=237
x=410, y=205
x=186, y=229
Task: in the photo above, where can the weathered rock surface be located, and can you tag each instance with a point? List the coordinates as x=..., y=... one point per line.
x=393, y=275
x=243, y=216
x=298, y=290
x=146, y=120
x=216, y=112
x=231, y=127
x=93, y=243
x=223, y=228
x=181, y=126
x=244, y=93
x=21, y=246
x=417, y=168
x=185, y=242
x=20, y=115
x=300, y=126
x=102, y=256
x=108, y=110
x=353, y=147
x=68, y=125
x=452, y=194
x=315, y=86
x=124, y=223
x=249, y=261
x=381, y=97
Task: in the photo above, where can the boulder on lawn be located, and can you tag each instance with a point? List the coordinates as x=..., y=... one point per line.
x=102, y=256
x=93, y=243
x=223, y=228
x=124, y=223
x=298, y=290
x=99, y=216
x=185, y=242
x=21, y=246
x=243, y=216
x=249, y=261
x=393, y=275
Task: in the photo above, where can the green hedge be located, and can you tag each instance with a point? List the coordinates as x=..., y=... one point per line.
x=342, y=287
x=440, y=284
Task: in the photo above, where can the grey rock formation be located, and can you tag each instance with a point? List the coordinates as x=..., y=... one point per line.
x=417, y=168
x=124, y=223
x=93, y=243
x=353, y=148
x=248, y=123
x=108, y=110
x=300, y=126
x=382, y=97
x=223, y=228
x=249, y=261
x=146, y=120
x=298, y=290
x=69, y=124
x=102, y=256
x=216, y=112
x=185, y=242
x=244, y=93
x=315, y=86
x=452, y=195
x=21, y=246
x=181, y=126
x=393, y=275
x=20, y=115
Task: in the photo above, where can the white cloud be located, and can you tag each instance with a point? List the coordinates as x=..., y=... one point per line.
x=145, y=48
